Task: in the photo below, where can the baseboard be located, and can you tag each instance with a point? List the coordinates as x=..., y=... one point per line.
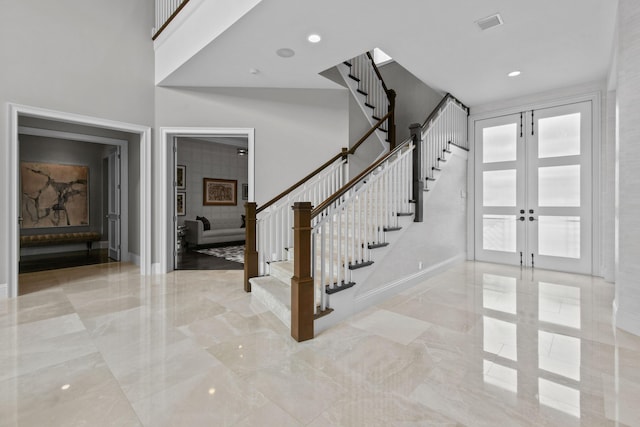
x=135, y=259
x=156, y=268
x=379, y=294
x=4, y=290
x=628, y=322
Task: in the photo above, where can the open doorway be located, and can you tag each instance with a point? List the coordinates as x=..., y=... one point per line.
x=211, y=188
x=70, y=187
x=109, y=136
x=214, y=177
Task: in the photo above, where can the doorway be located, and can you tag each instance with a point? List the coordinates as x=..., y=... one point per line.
x=166, y=176
x=533, y=196
x=141, y=138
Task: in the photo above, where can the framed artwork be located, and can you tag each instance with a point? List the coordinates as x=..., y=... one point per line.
x=219, y=192
x=181, y=206
x=245, y=191
x=181, y=177
x=54, y=195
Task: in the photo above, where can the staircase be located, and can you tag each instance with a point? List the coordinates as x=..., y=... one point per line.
x=306, y=264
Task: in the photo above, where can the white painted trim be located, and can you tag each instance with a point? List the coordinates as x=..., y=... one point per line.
x=16, y=110
x=4, y=291
x=165, y=158
x=382, y=292
x=627, y=321
x=595, y=97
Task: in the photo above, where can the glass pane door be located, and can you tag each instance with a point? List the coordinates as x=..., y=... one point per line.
x=533, y=189
x=499, y=178
x=559, y=188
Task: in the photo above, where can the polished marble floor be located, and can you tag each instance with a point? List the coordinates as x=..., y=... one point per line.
x=478, y=345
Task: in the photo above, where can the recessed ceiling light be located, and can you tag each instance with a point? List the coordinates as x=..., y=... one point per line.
x=514, y=74
x=314, y=38
x=285, y=52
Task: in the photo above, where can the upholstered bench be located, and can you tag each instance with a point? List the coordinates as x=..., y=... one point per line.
x=87, y=237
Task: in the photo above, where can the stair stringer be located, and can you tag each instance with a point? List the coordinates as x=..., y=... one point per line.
x=374, y=284
x=360, y=100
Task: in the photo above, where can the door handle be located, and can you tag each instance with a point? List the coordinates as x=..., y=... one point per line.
x=530, y=211
x=521, y=211
x=521, y=218
x=531, y=218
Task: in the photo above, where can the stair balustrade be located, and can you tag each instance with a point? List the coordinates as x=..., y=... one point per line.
x=355, y=220
x=446, y=125
x=275, y=221
x=166, y=10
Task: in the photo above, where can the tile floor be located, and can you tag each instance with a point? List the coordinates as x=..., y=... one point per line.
x=477, y=345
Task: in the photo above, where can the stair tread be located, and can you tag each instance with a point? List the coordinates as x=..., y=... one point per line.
x=274, y=295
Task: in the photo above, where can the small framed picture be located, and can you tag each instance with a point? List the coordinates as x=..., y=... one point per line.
x=181, y=177
x=245, y=191
x=219, y=192
x=181, y=207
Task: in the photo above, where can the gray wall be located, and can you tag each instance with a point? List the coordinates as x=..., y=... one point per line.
x=414, y=101
x=210, y=160
x=85, y=57
x=50, y=150
x=296, y=130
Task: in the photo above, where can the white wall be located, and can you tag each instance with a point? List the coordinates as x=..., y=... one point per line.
x=91, y=58
x=628, y=159
x=205, y=159
x=441, y=237
x=295, y=130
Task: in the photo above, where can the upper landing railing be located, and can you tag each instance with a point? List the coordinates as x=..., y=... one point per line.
x=166, y=10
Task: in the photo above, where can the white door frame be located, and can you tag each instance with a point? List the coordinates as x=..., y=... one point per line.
x=596, y=123
x=165, y=177
x=13, y=231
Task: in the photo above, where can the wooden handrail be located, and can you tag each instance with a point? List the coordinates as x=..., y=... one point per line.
x=442, y=102
x=322, y=206
x=173, y=15
x=375, y=68
x=326, y=164
x=303, y=180
x=369, y=132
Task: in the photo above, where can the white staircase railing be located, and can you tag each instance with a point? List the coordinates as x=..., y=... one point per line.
x=166, y=10
x=274, y=225
x=448, y=125
x=345, y=231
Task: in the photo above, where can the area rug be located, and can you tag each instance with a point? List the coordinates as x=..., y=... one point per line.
x=230, y=253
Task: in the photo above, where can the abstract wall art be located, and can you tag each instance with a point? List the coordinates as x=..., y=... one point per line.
x=54, y=195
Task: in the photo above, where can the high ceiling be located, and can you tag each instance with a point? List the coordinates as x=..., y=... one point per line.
x=553, y=43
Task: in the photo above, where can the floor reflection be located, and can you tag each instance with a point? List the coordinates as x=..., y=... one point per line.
x=509, y=316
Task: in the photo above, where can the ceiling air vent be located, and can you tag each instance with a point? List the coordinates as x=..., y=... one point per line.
x=490, y=22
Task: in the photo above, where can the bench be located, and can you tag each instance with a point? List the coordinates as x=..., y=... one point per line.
x=87, y=237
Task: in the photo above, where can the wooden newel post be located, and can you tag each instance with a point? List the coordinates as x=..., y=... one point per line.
x=418, y=183
x=250, y=254
x=302, y=293
x=392, y=119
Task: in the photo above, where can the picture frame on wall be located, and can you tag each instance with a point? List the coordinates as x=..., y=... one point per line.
x=181, y=204
x=54, y=195
x=181, y=177
x=245, y=191
x=219, y=192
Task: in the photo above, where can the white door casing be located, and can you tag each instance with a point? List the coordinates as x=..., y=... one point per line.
x=533, y=188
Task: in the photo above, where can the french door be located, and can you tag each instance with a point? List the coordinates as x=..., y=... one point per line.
x=533, y=188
